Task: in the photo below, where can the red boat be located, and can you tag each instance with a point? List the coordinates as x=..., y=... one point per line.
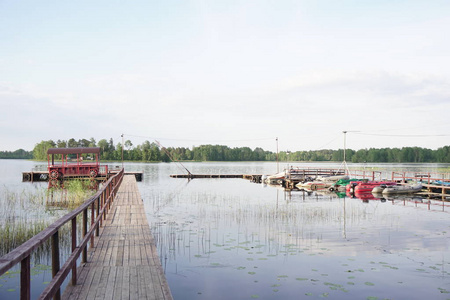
x=349, y=187
x=364, y=187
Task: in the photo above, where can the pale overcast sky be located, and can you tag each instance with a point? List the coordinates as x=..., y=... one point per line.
x=237, y=73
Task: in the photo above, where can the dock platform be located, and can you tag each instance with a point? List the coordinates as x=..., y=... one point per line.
x=38, y=176
x=124, y=262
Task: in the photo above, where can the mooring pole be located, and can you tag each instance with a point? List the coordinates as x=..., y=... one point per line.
x=278, y=169
x=122, y=149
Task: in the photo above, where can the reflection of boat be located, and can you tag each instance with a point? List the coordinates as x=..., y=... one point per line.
x=366, y=196
x=415, y=199
x=402, y=189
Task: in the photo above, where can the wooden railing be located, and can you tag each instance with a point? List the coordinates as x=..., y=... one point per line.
x=99, y=205
x=427, y=177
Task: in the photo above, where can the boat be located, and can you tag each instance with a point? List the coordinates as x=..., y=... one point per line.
x=277, y=178
x=379, y=189
x=332, y=178
x=402, y=189
x=440, y=182
x=314, y=185
x=341, y=184
x=350, y=187
x=370, y=185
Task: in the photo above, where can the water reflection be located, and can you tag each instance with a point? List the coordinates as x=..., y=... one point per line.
x=231, y=239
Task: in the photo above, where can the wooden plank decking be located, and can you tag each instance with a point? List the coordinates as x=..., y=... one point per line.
x=124, y=262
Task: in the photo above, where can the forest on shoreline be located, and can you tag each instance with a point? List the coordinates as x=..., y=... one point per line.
x=152, y=152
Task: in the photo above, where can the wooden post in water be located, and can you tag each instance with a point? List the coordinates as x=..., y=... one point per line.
x=92, y=223
x=74, y=246
x=55, y=261
x=25, y=280
x=97, y=231
x=84, y=229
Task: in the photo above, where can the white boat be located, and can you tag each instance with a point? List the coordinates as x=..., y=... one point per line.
x=277, y=178
x=314, y=185
x=379, y=189
x=332, y=178
x=402, y=189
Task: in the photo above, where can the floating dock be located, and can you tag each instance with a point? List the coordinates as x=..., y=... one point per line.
x=43, y=176
x=296, y=175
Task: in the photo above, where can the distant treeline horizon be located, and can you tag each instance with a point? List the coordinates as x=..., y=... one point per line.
x=152, y=152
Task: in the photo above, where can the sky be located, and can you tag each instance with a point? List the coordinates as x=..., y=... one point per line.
x=235, y=73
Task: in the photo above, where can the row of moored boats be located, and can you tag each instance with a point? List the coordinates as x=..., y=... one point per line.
x=343, y=183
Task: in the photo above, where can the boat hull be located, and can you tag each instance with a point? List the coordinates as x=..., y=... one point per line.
x=402, y=189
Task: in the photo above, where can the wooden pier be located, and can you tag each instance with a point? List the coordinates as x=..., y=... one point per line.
x=116, y=249
x=124, y=263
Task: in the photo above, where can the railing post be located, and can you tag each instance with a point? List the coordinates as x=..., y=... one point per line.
x=110, y=191
x=84, y=255
x=103, y=204
x=97, y=231
x=55, y=261
x=74, y=246
x=25, y=281
x=92, y=223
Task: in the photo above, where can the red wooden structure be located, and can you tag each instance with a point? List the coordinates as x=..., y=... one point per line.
x=75, y=162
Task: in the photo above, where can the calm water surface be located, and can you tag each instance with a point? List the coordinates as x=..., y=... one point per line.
x=233, y=239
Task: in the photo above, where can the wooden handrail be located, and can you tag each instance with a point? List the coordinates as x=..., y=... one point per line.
x=21, y=254
x=425, y=176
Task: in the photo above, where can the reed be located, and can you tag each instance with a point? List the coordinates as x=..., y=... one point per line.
x=26, y=213
x=74, y=193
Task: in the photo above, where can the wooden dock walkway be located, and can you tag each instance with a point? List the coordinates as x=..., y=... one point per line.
x=124, y=262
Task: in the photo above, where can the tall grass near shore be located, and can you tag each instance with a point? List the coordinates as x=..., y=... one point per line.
x=26, y=213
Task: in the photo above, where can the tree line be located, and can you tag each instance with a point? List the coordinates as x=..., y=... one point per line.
x=18, y=154
x=152, y=152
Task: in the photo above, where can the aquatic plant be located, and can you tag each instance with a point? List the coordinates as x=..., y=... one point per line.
x=74, y=193
x=26, y=213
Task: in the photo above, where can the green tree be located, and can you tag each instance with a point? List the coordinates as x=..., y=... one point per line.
x=40, y=150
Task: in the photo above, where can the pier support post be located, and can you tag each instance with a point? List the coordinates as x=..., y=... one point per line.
x=55, y=261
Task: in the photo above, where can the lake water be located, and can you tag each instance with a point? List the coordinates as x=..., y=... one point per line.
x=233, y=239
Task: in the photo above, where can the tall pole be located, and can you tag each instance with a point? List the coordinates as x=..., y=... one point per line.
x=122, y=149
x=345, y=139
x=278, y=169
x=344, y=162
